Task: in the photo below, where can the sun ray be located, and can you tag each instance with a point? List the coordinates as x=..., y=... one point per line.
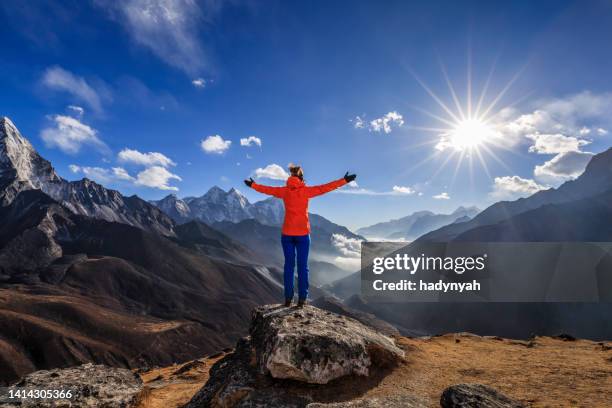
x=457, y=166
x=443, y=165
x=435, y=97
x=485, y=88
x=434, y=116
x=451, y=89
x=483, y=163
x=469, y=80
x=503, y=91
x=426, y=129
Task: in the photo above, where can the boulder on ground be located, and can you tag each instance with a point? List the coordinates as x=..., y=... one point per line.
x=316, y=346
x=475, y=396
x=91, y=385
x=291, y=355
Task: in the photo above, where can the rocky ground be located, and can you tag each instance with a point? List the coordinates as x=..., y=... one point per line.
x=286, y=363
x=545, y=372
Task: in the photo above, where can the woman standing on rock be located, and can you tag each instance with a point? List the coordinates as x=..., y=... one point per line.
x=296, y=228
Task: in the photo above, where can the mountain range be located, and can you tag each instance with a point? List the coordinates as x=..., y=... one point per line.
x=22, y=168
x=416, y=224
x=258, y=226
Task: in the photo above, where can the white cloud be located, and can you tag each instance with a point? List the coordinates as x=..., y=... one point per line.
x=555, y=143
x=250, y=141
x=356, y=190
x=386, y=122
x=59, y=79
x=98, y=174
x=347, y=246
x=144, y=159
x=153, y=177
x=70, y=135
x=350, y=248
x=601, y=131
x=358, y=122
x=403, y=190
x=122, y=174
x=156, y=177
x=441, y=196
x=168, y=28
x=575, y=116
x=77, y=109
x=215, y=144
x=199, y=83
x=513, y=187
x=564, y=166
x=271, y=171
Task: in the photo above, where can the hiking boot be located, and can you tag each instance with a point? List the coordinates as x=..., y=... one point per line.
x=301, y=302
x=287, y=302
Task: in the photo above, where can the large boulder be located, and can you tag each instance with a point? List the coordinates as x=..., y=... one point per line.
x=91, y=386
x=316, y=346
x=290, y=358
x=475, y=396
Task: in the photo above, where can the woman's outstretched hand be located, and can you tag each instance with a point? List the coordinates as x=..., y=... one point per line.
x=349, y=177
x=249, y=182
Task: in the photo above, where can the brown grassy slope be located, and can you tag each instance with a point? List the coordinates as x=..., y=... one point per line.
x=544, y=372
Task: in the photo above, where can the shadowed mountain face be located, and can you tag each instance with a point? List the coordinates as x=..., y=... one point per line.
x=416, y=224
x=22, y=168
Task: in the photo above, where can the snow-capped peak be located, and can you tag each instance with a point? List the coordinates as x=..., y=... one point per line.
x=19, y=162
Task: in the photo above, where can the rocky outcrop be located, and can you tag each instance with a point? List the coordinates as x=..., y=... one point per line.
x=315, y=346
x=91, y=385
x=292, y=357
x=475, y=396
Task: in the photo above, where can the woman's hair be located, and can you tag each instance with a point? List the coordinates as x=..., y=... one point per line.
x=296, y=171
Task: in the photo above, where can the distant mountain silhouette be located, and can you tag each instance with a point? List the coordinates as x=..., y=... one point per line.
x=416, y=224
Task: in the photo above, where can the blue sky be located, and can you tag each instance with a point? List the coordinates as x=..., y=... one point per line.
x=144, y=96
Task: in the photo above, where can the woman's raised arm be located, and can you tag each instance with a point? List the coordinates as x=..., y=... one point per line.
x=314, y=191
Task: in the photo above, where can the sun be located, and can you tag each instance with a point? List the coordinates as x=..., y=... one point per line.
x=469, y=134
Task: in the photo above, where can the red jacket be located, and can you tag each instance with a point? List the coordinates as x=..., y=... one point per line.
x=295, y=196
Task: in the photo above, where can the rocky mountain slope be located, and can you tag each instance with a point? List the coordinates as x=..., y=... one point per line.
x=416, y=224
x=22, y=168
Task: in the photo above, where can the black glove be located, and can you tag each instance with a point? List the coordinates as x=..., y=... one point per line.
x=249, y=182
x=349, y=177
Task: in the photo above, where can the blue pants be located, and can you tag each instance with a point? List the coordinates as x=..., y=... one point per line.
x=292, y=245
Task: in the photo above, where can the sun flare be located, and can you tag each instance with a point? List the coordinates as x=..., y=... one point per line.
x=469, y=134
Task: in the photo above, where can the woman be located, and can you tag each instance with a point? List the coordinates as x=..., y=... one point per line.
x=296, y=228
